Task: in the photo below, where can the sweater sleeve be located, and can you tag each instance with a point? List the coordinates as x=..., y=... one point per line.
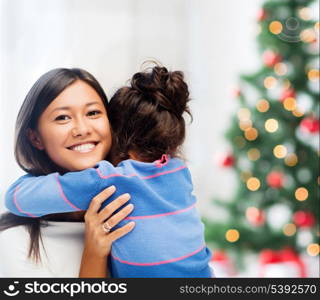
x=35, y=196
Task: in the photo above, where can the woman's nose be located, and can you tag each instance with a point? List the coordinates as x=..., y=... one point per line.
x=81, y=128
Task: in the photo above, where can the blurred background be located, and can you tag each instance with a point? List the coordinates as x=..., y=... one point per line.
x=253, y=73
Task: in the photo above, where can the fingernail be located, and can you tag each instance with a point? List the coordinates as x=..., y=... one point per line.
x=126, y=196
x=132, y=224
x=112, y=188
x=130, y=206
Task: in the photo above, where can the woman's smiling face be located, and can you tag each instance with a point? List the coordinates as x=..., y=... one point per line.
x=74, y=129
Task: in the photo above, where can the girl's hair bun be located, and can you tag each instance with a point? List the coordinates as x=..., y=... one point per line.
x=167, y=90
x=147, y=116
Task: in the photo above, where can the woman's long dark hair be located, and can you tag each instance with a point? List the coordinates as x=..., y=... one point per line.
x=29, y=158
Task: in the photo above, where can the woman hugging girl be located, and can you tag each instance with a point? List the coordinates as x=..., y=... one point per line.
x=166, y=237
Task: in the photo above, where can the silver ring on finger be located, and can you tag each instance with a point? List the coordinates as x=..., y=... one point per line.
x=106, y=227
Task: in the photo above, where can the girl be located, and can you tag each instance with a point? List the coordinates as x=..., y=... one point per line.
x=70, y=248
x=148, y=130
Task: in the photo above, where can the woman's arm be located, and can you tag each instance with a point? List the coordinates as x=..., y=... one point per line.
x=97, y=244
x=35, y=196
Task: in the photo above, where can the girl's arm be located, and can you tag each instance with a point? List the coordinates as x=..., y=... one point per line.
x=35, y=196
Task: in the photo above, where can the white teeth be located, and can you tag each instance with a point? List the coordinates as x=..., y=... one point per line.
x=83, y=147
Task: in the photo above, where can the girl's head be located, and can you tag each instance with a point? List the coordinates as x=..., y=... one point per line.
x=147, y=117
x=62, y=124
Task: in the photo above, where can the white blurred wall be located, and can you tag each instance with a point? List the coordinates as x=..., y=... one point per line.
x=211, y=41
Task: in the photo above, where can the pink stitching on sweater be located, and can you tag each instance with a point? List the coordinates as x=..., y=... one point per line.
x=161, y=215
x=159, y=262
x=15, y=201
x=164, y=160
x=63, y=195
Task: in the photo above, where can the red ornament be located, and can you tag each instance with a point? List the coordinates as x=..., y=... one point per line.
x=261, y=15
x=275, y=179
x=286, y=93
x=310, y=125
x=285, y=255
x=219, y=255
x=256, y=217
x=222, y=264
x=236, y=92
x=271, y=58
x=304, y=219
x=268, y=256
x=227, y=161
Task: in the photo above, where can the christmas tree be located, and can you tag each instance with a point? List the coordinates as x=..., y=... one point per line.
x=275, y=144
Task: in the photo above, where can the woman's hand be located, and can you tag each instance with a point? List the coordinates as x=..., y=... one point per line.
x=98, y=241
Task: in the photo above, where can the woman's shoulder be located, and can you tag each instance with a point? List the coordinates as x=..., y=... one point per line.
x=10, y=235
x=13, y=250
x=60, y=253
x=14, y=243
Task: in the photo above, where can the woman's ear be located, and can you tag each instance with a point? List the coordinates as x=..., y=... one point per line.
x=35, y=139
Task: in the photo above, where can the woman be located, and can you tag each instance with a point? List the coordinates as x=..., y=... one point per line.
x=148, y=130
x=62, y=126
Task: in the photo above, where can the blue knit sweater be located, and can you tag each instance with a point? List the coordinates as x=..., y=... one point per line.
x=168, y=239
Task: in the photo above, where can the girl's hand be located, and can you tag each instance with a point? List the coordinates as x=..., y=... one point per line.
x=98, y=240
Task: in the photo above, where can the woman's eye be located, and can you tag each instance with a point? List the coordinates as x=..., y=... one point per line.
x=94, y=113
x=62, y=118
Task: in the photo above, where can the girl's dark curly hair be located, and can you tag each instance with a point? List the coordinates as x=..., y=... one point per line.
x=147, y=116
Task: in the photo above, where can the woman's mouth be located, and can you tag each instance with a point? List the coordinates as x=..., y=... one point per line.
x=83, y=148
